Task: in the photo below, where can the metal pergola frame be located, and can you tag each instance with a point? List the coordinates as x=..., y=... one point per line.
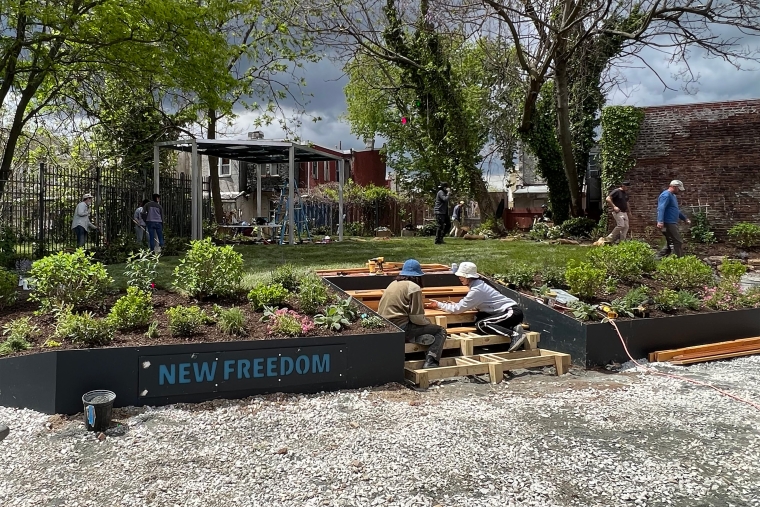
x=253, y=151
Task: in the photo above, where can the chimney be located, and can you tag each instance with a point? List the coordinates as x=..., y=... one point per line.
x=256, y=135
x=369, y=144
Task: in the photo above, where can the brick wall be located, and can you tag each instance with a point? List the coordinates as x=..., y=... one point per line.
x=713, y=148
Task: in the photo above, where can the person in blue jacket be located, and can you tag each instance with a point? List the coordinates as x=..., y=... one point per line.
x=668, y=215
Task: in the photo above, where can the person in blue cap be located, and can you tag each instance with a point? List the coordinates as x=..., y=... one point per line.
x=402, y=304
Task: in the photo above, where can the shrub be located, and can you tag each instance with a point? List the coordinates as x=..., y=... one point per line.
x=152, y=331
x=337, y=316
x=579, y=227
x=553, y=276
x=284, y=322
x=371, y=321
x=83, y=328
x=539, y=231
x=288, y=276
x=209, y=270
x=686, y=272
x=429, y=229
x=185, y=320
x=267, y=294
x=666, y=300
x=585, y=280
x=141, y=270
x=744, y=235
x=19, y=333
x=700, y=229
x=626, y=261
x=725, y=296
x=133, y=310
x=688, y=300
x=750, y=298
x=732, y=269
x=636, y=297
x=312, y=294
x=8, y=285
x=69, y=279
x=519, y=275
x=232, y=321
x=584, y=311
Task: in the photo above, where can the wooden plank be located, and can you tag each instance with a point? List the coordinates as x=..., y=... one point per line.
x=559, y=365
x=467, y=346
x=483, y=340
x=716, y=357
x=664, y=355
x=460, y=330
x=495, y=372
x=726, y=350
x=531, y=340
x=440, y=320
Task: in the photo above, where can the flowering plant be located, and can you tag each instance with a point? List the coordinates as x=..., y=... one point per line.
x=725, y=296
x=288, y=323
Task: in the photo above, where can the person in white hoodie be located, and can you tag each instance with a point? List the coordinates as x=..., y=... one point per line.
x=81, y=223
x=497, y=314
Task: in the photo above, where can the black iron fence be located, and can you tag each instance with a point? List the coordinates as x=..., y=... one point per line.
x=37, y=208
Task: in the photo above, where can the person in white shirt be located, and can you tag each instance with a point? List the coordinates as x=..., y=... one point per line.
x=81, y=223
x=497, y=314
x=140, y=231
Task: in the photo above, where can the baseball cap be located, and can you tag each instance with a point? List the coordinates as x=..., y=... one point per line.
x=626, y=183
x=677, y=183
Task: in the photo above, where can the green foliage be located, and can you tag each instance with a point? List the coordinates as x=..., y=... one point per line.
x=584, y=280
x=356, y=229
x=83, y=328
x=8, y=240
x=141, y=270
x=700, y=229
x=428, y=229
x=621, y=307
x=745, y=235
x=133, y=310
x=636, y=297
x=232, y=321
x=750, y=298
x=687, y=272
x=372, y=321
x=553, y=276
x=726, y=295
x=19, y=333
x=579, y=227
x=288, y=276
x=69, y=279
x=584, y=311
x=626, y=261
x=688, y=300
x=186, y=320
x=267, y=294
x=667, y=300
x=732, y=269
x=209, y=270
x=620, y=130
x=519, y=275
x=312, y=294
x=333, y=318
x=152, y=331
x=8, y=286
x=284, y=322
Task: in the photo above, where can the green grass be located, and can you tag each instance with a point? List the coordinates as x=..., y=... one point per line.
x=491, y=256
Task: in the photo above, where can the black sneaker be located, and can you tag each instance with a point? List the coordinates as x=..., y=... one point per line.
x=518, y=338
x=430, y=362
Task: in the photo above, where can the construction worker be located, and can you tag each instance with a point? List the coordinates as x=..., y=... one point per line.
x=668, y=216
x=456, y=219
x=497, y=314
x=441, y=212
x=402, y=304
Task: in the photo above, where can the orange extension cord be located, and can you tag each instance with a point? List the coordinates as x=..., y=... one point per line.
x=679, y=377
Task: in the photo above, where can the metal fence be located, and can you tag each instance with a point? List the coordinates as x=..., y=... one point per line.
x=37, y=208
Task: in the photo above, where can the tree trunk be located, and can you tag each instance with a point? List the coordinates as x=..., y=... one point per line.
x=487, y=208
x=213, y=170
x=14, y=134
x=564, y=135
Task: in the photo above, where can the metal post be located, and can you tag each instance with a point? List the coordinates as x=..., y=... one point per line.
x=41, y=246
x=258, y=191
x=156, y=169
x=195, y=221
x=341, y=177
x=291, y=185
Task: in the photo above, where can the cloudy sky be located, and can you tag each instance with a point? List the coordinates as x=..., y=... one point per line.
x=718, y=81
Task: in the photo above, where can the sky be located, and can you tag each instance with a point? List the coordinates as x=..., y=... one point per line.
x=718, y=81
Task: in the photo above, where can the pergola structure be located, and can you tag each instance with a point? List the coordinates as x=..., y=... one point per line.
x=253, y=151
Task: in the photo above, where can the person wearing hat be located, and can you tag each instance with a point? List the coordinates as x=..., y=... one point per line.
x=618, y=200
x=441, y=212
x=81, y=223
x=456, y=219
x=497, y=314
x=668, y=215
x=402, y=305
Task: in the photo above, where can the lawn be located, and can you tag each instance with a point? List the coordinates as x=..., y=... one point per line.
x=491, y=256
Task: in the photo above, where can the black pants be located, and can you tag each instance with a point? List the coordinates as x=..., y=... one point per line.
x=444, y=226
x=499, y=323
x=673, y=241
x=414, y=331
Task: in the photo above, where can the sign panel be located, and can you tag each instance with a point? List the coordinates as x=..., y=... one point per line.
x=239, y=370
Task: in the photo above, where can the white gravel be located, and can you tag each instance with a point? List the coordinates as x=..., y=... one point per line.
x=584, y=439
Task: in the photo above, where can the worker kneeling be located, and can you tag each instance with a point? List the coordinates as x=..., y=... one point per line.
x=497, y=314
x=402, y=304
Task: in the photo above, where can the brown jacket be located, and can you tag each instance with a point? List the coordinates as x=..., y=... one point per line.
x=402, y=303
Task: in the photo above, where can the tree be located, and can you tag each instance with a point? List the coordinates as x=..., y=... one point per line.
x=54, y=54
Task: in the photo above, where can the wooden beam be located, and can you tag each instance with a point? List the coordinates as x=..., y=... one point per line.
x=665, y=355
x=716, y=357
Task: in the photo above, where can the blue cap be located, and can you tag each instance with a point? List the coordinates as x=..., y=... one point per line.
x=411, y=268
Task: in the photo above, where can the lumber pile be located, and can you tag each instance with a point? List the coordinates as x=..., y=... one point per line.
x=710, y=352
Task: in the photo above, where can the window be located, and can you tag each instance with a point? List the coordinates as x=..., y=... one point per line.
x=327, y=170
x=224, y=167
x=314, y=171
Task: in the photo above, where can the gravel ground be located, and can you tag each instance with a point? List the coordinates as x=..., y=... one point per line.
x=583, y=439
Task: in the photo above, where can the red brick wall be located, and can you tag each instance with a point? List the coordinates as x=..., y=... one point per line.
x=368, y=167
x=713, y=148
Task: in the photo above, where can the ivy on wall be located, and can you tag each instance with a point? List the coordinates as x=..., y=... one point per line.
x=620, y=131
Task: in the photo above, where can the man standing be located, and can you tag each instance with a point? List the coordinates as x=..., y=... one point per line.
x=456, y=219
x=668, y=215
x=153, y=214
x=618, y=199
x=81, y=223
x=139, y=222
x=441, y=212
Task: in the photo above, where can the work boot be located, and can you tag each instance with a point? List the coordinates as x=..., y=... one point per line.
x=518, y=338
x=430, y=362
x=423, y=339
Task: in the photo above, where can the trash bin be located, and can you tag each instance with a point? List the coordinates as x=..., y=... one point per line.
x=98, y=406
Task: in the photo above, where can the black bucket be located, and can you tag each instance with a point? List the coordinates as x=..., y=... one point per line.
x=98, y=406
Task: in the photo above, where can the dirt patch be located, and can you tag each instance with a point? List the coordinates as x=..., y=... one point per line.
x=162, y=301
